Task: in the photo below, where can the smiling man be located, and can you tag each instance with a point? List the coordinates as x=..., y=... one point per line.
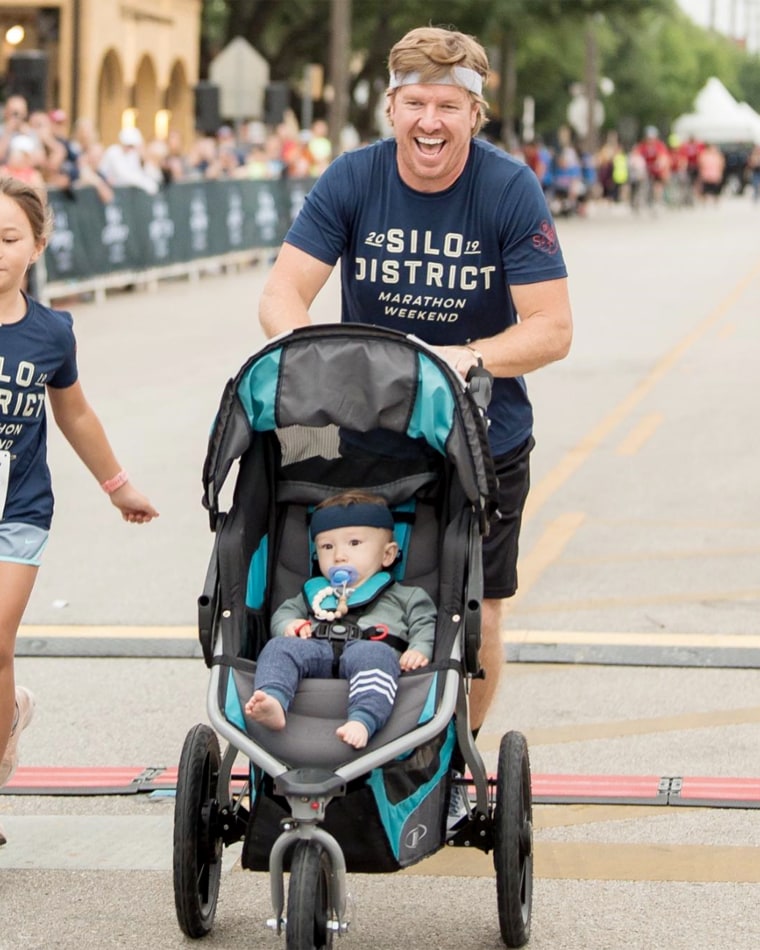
x=445, y=236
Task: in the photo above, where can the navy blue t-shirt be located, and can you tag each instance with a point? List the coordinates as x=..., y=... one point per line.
x=436, y=265
x=38, y=351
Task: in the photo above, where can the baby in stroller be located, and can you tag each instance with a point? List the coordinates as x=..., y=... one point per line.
x=318, y=630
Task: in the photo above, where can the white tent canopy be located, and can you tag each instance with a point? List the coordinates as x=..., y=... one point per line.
x=719, y=118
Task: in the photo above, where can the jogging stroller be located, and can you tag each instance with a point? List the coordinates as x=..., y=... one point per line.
x=314, y=412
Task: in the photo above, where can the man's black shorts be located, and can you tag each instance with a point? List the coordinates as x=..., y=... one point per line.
x=500, y=547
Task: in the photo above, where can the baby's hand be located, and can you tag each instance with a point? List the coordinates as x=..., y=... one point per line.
x=412, y=660
x=298, y=628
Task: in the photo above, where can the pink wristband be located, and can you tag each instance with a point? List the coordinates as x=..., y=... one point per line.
x=112, y=484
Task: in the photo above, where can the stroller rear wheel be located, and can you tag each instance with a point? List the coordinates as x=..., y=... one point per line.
x=310, y=899
x=197, y=844
x=513, y=840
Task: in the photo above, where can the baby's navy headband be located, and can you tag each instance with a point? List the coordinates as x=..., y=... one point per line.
x=366, y=514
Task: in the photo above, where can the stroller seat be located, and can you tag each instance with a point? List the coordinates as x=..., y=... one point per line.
x=319, y=708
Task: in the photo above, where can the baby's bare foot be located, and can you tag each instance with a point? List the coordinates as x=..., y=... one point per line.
x=266, y=709
x=354, y=733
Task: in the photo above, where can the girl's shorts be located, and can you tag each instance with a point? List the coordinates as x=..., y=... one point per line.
x=22, y=543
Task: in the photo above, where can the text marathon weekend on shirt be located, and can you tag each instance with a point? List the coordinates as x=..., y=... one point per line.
x=423, y=262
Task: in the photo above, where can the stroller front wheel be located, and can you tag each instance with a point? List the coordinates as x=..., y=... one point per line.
x=513, y=840
x=197, y=843
x=310, y=899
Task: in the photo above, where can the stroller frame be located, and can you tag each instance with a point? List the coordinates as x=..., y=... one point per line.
x=210, y=815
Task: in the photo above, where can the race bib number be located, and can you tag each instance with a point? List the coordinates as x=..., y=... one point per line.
x=5, y=475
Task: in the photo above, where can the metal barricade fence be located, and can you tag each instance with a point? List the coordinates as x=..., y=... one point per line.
x=186, y=228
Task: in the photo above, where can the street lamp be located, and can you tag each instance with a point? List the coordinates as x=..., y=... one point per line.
x=14, y=35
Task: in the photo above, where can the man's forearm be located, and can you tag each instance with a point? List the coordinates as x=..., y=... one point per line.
x=294, y=281
x=281, y=308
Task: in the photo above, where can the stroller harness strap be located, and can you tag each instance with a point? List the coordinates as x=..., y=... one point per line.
x=343, y=631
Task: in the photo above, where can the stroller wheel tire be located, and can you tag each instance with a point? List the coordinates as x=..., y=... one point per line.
x=197, y=842
x=310, y=899
x=513, y=840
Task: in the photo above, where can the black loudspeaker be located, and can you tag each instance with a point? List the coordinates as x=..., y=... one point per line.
x=276, y=101
x=207, y=119
x=27, y=77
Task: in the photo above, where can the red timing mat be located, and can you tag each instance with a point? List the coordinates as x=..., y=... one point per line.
x=547, y=789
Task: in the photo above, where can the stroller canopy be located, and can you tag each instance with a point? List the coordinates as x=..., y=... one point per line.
x=358, y=378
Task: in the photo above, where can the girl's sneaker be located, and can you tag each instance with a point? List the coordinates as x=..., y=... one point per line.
x=24, y=713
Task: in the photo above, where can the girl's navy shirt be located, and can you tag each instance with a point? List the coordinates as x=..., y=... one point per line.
x=36, y=352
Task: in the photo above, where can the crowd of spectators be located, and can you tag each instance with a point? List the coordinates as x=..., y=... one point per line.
x=650, y=174
x=43, y=148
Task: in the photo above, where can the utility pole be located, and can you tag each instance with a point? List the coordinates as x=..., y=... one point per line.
x=592, y=87
x=340, y=54
x=508, y=90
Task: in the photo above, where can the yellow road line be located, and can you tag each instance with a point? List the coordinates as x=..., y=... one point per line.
x=589, y=638
x=556, y=537
x=640, y=434
x=576, y=457
x=582, y=813
x=625, y=557
x=97, y=632
x=607, y=861
x=547, y=549
x=677, y=597
x=622, y=728
x=524, y=636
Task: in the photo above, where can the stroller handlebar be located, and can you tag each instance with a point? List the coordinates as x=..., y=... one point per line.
x=480, y=383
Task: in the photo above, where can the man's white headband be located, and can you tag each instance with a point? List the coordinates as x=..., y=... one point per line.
x=457, y=76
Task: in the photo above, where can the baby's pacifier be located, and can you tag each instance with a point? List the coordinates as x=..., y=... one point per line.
x=342, y=576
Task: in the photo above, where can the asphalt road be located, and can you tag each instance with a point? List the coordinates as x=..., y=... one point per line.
x=634, y=638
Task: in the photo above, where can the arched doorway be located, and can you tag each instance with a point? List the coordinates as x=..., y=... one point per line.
x=112, y=98
x=179, y=102
x=147, y=101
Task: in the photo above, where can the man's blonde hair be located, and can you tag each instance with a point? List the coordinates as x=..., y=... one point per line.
x=431, y=51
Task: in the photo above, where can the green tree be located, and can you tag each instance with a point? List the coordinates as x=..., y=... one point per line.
x=655, y=56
